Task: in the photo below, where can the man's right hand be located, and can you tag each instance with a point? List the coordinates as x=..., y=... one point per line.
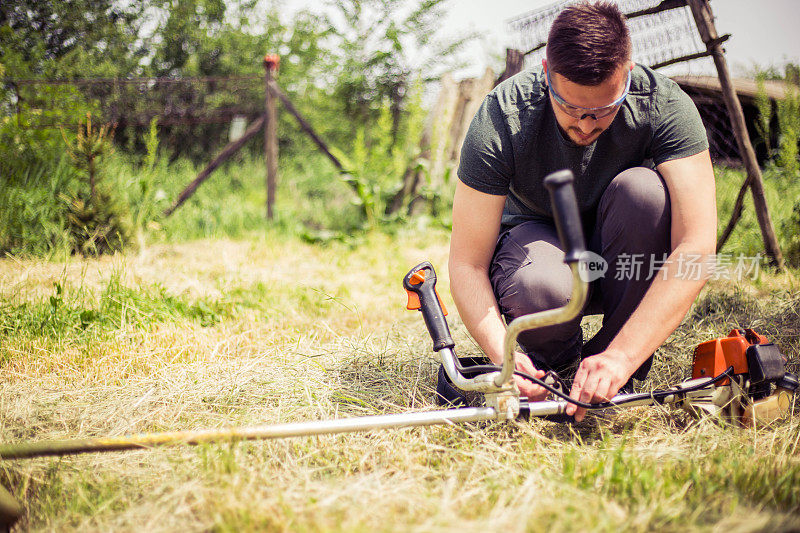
x=527, y=388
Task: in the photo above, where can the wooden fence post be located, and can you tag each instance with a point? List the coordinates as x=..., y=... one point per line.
x=515, y=60
x=271, y=62
x=704, y=19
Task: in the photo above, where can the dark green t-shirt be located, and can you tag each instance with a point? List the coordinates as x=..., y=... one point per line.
x=514, y=142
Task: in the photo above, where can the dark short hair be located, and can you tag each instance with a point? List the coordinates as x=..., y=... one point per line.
x=588, y=42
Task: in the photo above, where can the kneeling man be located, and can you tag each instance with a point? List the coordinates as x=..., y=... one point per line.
x=644, y=184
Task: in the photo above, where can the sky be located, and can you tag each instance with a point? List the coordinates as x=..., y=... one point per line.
x=763, y=32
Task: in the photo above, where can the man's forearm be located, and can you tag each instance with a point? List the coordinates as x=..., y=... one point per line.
x=474, y=298
x=662, y=309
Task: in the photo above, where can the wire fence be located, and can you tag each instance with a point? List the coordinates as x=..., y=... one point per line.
x=660, y=33
x=135, y=102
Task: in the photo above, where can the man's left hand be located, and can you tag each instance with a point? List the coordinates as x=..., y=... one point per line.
x=598, y=379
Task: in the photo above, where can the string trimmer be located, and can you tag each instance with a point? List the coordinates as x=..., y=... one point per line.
x=740, y=378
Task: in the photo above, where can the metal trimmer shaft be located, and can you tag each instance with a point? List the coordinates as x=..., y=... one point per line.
x=26, y=450
x=149, y=440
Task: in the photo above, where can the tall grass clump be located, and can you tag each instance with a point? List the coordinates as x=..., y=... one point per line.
x=34, y=170
x=32, y=219
x=789, y=121
x=764, y=118
x=381, y=155
x=789, y=163
x=791, y=228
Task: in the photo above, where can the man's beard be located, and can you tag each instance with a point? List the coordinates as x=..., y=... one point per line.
x=578, y=138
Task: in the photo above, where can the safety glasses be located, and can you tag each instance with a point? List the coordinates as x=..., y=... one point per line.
x=582, y=112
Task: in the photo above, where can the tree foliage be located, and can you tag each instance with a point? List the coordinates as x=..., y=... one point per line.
x=71, y=38
x=342, y=63
x=385, y=45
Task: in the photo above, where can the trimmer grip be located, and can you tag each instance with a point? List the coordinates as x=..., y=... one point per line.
x=421, y=281
x=567, y=216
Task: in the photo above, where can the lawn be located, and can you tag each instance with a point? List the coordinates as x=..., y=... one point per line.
x=269, y=329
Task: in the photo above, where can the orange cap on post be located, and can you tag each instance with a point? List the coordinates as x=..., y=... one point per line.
x=272, y=61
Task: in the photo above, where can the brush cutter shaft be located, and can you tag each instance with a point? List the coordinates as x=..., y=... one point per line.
x=299, y=429
x=547, y=408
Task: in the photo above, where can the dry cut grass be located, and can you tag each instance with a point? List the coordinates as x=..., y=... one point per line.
x=222, y=333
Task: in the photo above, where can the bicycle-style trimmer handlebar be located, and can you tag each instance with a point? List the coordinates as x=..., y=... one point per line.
x=566, y=214
x=570, y=233
x=420, y=283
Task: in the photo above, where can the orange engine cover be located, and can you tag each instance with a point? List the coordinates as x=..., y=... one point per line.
x=712, y=358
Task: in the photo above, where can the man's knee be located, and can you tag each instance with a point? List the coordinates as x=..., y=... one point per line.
x=636, y=205
x=532, y=288
x=528, y=273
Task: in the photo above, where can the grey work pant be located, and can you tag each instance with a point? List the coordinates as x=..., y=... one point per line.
x=528, y=273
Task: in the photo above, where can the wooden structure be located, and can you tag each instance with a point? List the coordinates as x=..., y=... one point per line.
x=706, y=92
x=230, y=149
x=442, y=137
x=268, y=120
x=704, y=18
x=271, y=62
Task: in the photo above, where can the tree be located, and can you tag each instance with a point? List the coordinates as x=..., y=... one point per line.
x=70, y=38
x=384, y=45
x=212, y=38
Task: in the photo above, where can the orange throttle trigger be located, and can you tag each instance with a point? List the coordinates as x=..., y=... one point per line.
x=417, y=278
x=420, y=284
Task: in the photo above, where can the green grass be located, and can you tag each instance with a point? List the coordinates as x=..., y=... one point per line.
x=68, y=316
x=232, y=202
x=32, y=221
x=313, y=201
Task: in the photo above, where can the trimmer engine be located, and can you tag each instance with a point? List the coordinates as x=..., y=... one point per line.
x=760, y=390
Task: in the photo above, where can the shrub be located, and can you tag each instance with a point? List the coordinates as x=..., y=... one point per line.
x=792, y=229
x=96, y=221
x=789, y=121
